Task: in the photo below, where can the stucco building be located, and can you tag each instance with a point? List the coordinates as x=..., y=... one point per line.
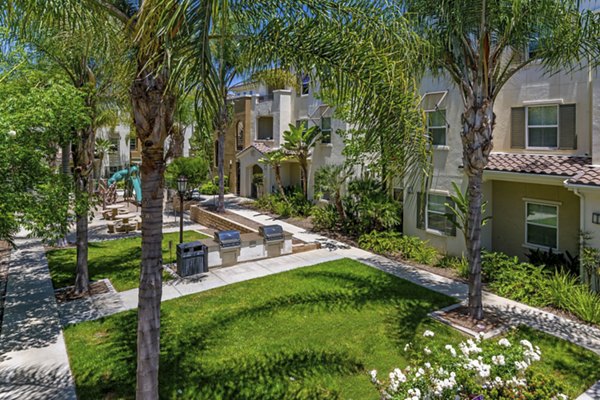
x=542, y=184
x=261, y=115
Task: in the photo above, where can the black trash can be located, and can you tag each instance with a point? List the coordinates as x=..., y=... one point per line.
x=192, y=258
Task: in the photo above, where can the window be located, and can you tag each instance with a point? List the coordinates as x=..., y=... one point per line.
x=436, y=127
x=532, y=48
x=299, y=123
x=239, y=138
x=326, y=130
x=542, y=126
x=265, y=128
x=433, y=215
x=305, y=85
x=541, y=225
x=132, y=144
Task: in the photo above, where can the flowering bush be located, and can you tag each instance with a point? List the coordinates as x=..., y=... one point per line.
x=494, y=369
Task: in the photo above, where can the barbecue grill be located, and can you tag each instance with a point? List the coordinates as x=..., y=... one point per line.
x=228, y=239
x=271, y=233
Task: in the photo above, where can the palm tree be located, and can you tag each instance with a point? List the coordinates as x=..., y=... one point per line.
x=169, y=42
x=479, y=45
x=331, y=179
x=300, y=142
x=103, y=148
x=274, y=159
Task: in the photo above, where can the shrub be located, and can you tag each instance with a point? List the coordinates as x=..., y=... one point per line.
x=295, y=206
x=492, y=263
x=209, y=188
x=567, y=293
x=523, y=282
x=494, y=369
x=410, y=247
x=459, y=264
x=554, y=261
x=325, y=218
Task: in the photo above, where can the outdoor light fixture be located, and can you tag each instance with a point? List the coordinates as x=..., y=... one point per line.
x=595, y=218
x=181, y=188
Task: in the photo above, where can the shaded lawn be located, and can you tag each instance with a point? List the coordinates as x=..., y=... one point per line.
x=118, y=260
x=311, y=333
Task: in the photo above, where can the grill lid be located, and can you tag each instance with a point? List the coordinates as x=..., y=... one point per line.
x=228, y=238
x=271, y=232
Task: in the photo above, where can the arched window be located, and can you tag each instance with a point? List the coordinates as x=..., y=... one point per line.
x=239, y=137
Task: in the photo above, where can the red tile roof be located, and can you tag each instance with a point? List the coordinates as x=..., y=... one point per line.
x=261, y=147
x=591, y=176
x=541, y=164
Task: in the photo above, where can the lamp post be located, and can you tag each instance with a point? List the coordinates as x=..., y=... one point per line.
x=181, y=187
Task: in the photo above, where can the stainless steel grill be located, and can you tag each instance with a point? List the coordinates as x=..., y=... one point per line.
x=228, y=239
x=271, y=233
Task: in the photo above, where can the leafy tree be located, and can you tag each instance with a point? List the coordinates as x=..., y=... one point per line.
x=103, y=148
x=274, y=159
x=300, y=142
x=479, y=45
x=195, y=169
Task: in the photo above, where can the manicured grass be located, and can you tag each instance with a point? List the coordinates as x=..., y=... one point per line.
x=118, y=260
x=311, y=333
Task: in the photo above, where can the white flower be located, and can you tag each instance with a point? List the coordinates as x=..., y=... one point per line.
x=560, y=396
x=428, y=334
x=426, y=350
x=527, y=343
x=406, y=346
x=451, y=349
x=498, y=360
x=374, y=376
x=428, y=365
x=504, y=342
x=521, y=365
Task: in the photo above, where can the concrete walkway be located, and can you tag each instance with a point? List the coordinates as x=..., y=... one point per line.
x=33, y=356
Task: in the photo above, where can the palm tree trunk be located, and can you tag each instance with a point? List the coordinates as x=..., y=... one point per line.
x=339, y=206
x=304, y=168
x=478, y=124
x=277, y=168
x=83, y=160
x=221, y=166
x=153, y=109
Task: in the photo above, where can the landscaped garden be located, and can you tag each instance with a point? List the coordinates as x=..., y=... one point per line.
x=118, y=260
x=310, y=333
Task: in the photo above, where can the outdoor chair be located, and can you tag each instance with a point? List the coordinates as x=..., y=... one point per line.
x=107, y=214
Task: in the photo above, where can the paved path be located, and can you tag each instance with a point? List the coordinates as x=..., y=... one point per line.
x=33, y=356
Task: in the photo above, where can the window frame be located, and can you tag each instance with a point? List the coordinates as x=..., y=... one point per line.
x=304, y=84
x=428, y=127
x=527, y=223
x=132, y=144
x=323, y=131
x=272, y=137
x=435, y=230
x=557, y=126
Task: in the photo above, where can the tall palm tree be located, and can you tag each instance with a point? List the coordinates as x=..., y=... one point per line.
x=479, y=45
x=300, y=142
x=169, y=45
x=103, y=148
x=274, y=160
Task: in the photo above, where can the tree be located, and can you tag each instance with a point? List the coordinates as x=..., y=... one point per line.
x=169, y=42
x=274, y=160
x=194, y=169
x=331, y=179
x=479, y=45
x=103, y=148
x=300, y=142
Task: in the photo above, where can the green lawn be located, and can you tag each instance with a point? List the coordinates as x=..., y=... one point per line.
x=311, y=333
x=117, y=260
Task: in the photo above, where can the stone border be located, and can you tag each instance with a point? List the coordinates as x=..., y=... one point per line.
x=438, y=315
x=106, y=281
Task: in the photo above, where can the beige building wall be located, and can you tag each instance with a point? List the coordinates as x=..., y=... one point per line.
x=508, y=215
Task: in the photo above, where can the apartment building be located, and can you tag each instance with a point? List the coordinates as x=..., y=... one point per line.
x=261, y=115
x=542, y=183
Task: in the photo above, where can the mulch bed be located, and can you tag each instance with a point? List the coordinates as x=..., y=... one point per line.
x=68, y=294
x=460, y=316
